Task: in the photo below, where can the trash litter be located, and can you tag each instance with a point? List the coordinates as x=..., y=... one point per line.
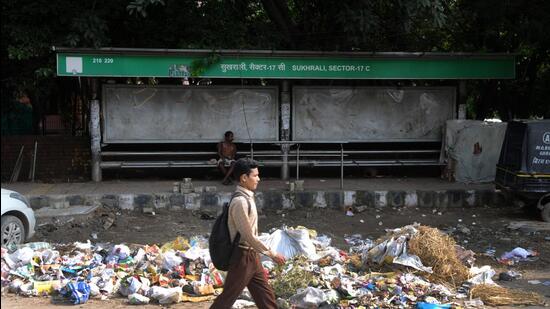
x=369, y=274
x=241, y=303
x=509, y=275
x=482, y=275
x=77, y=292
x=474, y=303
x=46, y=287
x=137, y=299
x=291, y=242
x=422, y=305
x=309, y=297
x=517, y=255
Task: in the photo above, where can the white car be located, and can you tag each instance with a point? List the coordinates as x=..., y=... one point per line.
x=17, y=218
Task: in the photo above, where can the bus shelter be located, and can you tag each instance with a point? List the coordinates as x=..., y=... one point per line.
x=302, y=98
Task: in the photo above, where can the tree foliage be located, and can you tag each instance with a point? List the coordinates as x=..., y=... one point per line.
x=31, y=28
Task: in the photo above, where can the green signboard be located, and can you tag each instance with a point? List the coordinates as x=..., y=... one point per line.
x=306, y=67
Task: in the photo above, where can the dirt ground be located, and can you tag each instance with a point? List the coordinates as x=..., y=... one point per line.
x=475, y=228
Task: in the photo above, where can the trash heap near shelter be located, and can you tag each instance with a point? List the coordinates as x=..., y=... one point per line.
x=409, y=267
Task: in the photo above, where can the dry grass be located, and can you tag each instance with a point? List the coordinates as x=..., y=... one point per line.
x=437, y=250
x=494, y=295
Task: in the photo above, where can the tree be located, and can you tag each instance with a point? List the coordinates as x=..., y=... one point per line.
x=31, y=28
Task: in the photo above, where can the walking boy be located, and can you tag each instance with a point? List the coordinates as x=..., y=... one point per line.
x=245, y=269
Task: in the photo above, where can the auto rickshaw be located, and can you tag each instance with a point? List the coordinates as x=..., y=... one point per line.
x=523, y=169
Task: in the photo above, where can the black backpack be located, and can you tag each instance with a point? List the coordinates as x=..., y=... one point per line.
x=220, y=245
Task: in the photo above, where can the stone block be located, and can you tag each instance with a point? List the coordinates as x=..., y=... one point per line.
x=426, y=199
x=396, y=198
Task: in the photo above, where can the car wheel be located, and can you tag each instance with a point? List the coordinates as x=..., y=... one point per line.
x=545, y=213
x=13, y=231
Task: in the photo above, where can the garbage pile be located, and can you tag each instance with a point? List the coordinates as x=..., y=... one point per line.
x=412, y=266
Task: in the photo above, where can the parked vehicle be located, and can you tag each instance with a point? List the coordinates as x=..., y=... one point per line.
x=18, y=219
x=523, y=170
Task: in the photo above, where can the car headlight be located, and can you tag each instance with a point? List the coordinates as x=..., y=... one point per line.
x=20, y=197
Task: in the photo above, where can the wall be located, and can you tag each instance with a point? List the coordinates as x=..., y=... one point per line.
x=370, y=114
x=473, y=148
x=58, y=158
x=175, y=114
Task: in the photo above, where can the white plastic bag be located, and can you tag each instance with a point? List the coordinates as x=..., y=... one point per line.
x=482, y=275
x=165, y=295
x=137, y=299
x=131, y=286
x=306, y=245
x=171, y=296
x=282, y=243
x=290, y=243
x=22, y=256
x=171, y=260
x=241, y=303
x=411, y=261
x=308, y=298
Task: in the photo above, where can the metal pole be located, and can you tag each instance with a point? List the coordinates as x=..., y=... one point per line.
x=284, y=166
x=298, y=162
x=341, y=166
x=95, y=133
x=285, y=127
x=252, y=151
x=34, y=160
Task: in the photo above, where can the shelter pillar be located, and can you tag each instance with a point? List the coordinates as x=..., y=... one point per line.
x=462, y=97
x=285, y=126
x=95, y=131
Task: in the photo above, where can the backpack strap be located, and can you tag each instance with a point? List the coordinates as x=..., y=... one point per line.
x=236, y=194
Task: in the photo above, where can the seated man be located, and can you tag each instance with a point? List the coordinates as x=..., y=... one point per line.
x=226, y=152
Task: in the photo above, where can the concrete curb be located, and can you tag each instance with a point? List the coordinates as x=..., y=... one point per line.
x=278, y=199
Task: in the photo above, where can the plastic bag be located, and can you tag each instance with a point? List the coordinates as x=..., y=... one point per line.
x=137, y=299
x=46, y=287
x=308, y=297
x=411, y=261
x=195, y=253
x=282, y=243
x=49, y=256
x=129, y=286
x=122, y=251
x=165, y=295
x=77, y=292
x=377, y=253
x=15, y=285
x=171, y=260
x=482, y=275
x=306, y=245
x=22, y=256
x=290, y=243
x=241, y=303
x=518, y=252
x=172, y=295
x=423, y=305
x=322, y=241
x=180, y=244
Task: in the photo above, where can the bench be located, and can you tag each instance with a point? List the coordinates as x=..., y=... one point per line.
x=299, y=154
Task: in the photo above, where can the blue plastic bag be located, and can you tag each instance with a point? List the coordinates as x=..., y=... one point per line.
x=423, y=305
x=77, y=292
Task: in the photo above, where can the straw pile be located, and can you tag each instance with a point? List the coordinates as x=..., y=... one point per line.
x=285, y=284
x=437, y=250
x=494, y=295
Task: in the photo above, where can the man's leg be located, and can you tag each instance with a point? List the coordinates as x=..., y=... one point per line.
x=222, y=168
x=229, y=172
x=259, y=287
x=241, y=269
